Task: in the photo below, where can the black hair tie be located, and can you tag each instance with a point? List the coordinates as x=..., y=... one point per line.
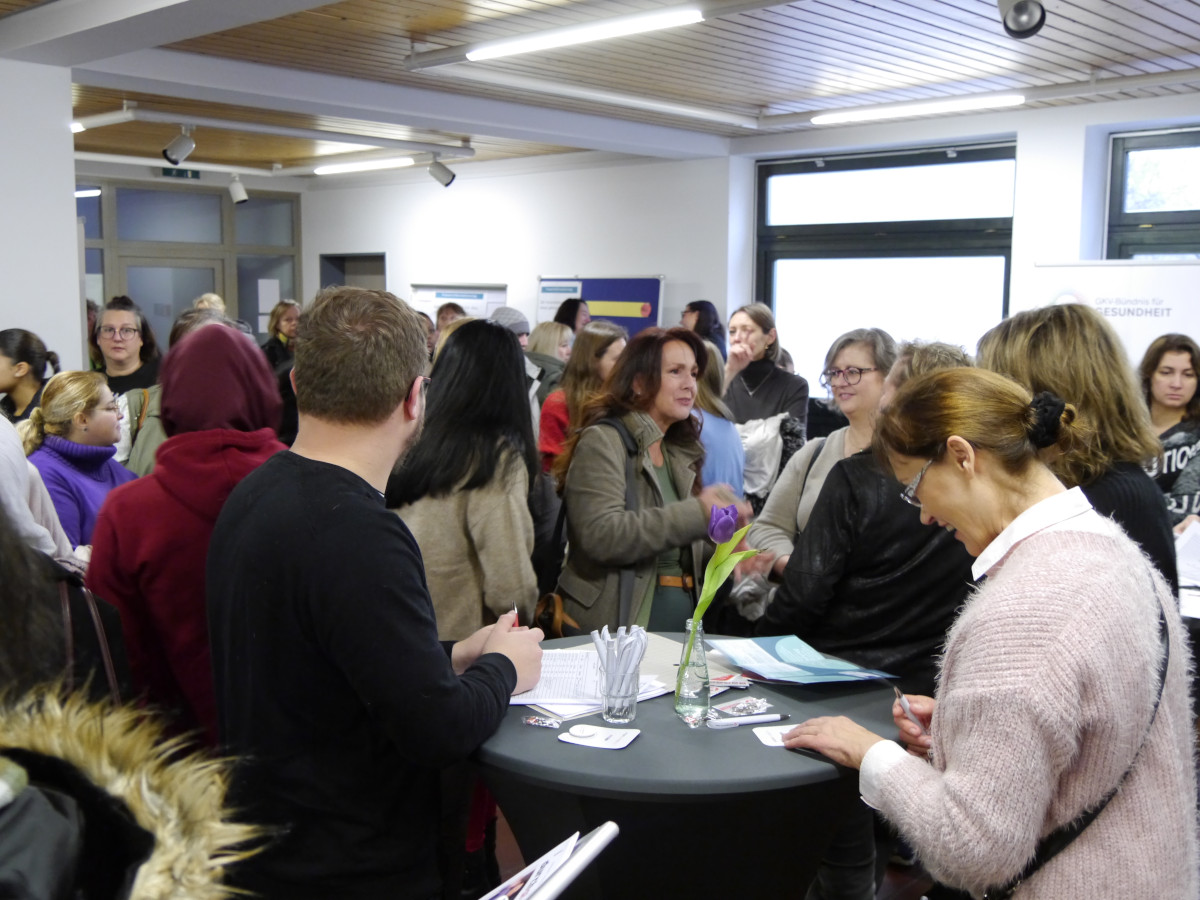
x=1047, y=419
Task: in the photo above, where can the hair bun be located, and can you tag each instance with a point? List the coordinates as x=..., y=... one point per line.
x=1047, y=419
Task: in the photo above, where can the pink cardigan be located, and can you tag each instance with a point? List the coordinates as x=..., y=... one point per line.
x=1046, y=688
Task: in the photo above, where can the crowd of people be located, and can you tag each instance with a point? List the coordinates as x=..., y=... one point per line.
x=322, y=557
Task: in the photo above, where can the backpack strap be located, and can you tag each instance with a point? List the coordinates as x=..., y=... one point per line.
x=625, y=583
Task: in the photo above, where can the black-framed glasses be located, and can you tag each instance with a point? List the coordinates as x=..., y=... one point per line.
x=127, y=332
x=909, y=494
x=852, y=374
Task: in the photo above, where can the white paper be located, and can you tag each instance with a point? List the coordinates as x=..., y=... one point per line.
x=1187, y=556
x=603, y=738
x=568, y=676
x=772, y=735
x=527, y=880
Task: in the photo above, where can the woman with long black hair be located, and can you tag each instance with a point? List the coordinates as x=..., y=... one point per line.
x=702, y=317
x=464, y=487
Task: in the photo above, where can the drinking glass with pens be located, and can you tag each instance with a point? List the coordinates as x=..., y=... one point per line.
x=620, y=663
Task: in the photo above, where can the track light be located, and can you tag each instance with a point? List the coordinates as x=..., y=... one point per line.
x=441, y=173
x=179, y=148
x=237, y=190
x=1022, y=18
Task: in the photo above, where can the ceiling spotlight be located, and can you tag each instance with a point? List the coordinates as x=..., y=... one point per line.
x=237, y=190
x=179, y=148
x=1022, y=18
x=441, y=173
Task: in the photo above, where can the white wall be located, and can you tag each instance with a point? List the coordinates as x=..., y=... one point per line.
x=39, y=250
x=506, y=224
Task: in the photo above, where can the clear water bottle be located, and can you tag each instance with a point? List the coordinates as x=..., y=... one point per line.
x=691, y=685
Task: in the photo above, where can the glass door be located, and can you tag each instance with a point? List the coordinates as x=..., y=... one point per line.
x=164, y=289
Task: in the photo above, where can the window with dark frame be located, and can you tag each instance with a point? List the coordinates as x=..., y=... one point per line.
x=917, y=242
x=965, y=236
x=1154, y=196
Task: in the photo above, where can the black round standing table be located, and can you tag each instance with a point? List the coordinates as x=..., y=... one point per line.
x=702, y=812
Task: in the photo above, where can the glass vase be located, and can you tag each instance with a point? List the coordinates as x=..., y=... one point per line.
x=691, y=683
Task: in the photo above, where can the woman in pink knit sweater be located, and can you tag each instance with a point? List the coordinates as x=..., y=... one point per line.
x=1049, y=687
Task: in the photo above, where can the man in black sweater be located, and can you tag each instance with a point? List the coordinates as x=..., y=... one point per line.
x=331, y=685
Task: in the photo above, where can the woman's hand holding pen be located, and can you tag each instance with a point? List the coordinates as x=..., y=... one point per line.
x=914, y=734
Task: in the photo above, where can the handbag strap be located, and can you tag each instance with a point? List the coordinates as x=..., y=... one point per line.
x=812, y=461
x=1060, y=838
x=626, y=578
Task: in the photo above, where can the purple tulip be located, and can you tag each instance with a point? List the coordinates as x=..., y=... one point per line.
x=723, y=523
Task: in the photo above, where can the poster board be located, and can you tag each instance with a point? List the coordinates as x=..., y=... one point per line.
x=1140, y=299
x=477, y=300
x=633, y=303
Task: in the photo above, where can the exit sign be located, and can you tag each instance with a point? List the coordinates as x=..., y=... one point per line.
x=181, y=173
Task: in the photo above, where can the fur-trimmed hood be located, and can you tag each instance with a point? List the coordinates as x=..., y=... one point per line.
x=179, y=798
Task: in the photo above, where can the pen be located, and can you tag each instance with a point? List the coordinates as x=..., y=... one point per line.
x=516, y=618
x=912, y=717
x=748, y=720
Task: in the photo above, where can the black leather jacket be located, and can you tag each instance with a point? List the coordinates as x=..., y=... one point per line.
x=868, y=582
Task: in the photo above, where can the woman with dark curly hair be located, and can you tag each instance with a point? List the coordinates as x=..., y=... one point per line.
x=647, y=398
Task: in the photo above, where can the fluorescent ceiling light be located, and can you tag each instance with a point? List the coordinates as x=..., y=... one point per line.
x=91, y=192
x=368, y=165
x=931, y=108
x=582, y=34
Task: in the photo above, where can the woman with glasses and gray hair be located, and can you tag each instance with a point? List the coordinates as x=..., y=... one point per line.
x=866, y=583
x=855, y=367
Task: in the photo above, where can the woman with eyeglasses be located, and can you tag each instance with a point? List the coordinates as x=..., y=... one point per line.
x=855, y=368
x=1064, y=683
x=126, y=342
x=70, y=439
x=866, y=583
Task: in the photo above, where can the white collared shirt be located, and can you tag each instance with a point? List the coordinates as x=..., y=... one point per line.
x=1049, y=514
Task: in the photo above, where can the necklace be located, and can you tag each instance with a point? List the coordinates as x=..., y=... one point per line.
x=752, y=390
x=852, y=447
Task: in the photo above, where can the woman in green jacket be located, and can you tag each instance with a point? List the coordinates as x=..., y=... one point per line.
x=659, y=542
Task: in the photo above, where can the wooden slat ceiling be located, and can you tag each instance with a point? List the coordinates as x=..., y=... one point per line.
x=801, y=57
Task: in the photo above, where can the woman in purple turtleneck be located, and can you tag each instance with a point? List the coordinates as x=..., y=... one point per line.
x=70, y=440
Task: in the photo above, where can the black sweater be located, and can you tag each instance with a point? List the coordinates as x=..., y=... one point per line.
x=762, y=390
x=332, y=686
x=1128, y=496
x=868, y=582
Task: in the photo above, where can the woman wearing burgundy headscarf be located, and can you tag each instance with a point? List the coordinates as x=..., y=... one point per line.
x=220, y=406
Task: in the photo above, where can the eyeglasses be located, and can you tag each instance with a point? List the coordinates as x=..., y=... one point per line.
x=852, y=374
x=126, y=332
x=909, y=494
x=425, y=382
